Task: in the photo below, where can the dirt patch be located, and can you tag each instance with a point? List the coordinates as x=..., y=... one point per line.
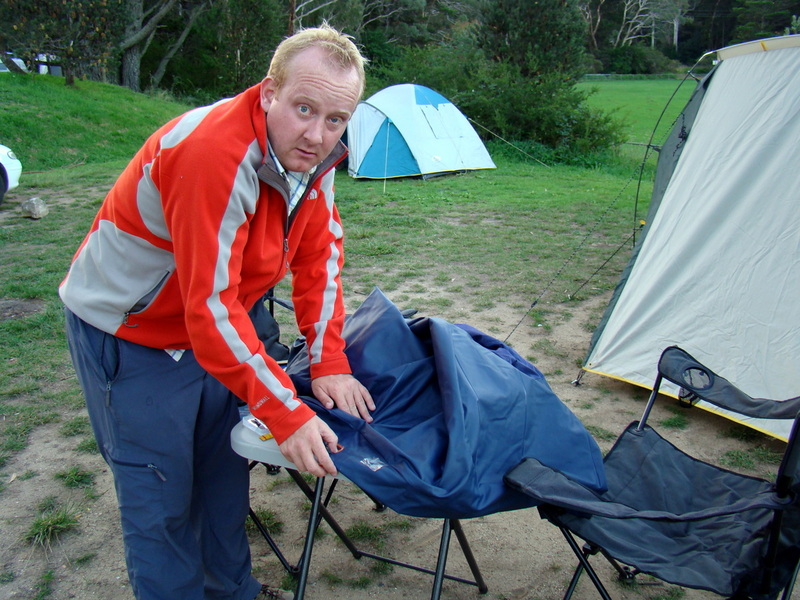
x=14, y=309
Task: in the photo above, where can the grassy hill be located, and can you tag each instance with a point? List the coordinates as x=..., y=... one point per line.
x=50, y=125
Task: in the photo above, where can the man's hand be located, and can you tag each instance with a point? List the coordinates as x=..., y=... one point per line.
x=346, y=392
x=308, y=448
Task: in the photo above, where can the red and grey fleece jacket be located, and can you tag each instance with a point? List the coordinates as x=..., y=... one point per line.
x=193, y=233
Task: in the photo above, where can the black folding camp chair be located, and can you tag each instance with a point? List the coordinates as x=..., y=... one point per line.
x=677, y=518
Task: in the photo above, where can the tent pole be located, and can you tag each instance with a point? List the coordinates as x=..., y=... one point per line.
x=386, y=156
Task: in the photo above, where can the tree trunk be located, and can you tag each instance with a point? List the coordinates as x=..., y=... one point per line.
x=68, y=66
x=132, y=52
x=136, y=34
x=676, y=24
x=155, y=79
x=131, y=68
x=292, y=14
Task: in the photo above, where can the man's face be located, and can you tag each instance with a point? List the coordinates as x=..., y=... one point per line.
x=309, y=113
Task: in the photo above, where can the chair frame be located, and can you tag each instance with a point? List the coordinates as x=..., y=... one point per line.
x=320, y=512
x=320, y=499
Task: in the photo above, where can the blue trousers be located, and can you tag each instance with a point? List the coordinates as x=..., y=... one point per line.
x=163, y=426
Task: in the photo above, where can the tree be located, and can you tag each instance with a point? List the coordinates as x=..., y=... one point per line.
x=635, y=23
x=673, y=13
x=192, y=13
x=538, y=36
x=710, y=26
x=220, y=54
x=758, y=19
x=92, y=38
x=246, y=45
x=794, y=28
x=304, y=10
x=81, y=33
x=142, y=20
x=592, y=13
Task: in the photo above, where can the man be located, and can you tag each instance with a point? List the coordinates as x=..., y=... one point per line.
x=209, y=215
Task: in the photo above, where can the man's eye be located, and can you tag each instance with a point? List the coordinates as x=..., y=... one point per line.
x=336, y=120
x=303, y=109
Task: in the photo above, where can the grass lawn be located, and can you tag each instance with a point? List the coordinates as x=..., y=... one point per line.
x=639, y=103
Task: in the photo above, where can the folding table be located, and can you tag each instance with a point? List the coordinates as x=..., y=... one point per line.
x=250, y=445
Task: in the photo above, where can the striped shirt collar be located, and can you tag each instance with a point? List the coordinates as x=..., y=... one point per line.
x=297, y=181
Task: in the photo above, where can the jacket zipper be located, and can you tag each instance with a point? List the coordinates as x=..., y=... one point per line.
x=145, y=300
x=327, y=165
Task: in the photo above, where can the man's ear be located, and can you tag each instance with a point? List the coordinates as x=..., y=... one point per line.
x=267, y=93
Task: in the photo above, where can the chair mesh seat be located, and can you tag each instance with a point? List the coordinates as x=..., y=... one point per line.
x=717, y=549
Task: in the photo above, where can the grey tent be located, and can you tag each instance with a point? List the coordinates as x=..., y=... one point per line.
x=717, y=268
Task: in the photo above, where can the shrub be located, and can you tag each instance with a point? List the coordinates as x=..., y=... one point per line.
x=547, y=109
x=636, y=60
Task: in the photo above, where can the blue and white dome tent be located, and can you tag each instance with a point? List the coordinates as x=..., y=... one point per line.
x=408, y=130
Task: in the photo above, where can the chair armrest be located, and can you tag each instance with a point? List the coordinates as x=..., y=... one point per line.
x=682, y=369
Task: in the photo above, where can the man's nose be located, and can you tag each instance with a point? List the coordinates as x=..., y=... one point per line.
x=314, y=131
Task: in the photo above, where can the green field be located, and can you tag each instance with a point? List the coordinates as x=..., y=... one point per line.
x=50, y=125
x=639, y=103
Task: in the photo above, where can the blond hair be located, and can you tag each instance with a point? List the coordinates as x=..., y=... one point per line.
x=341, y=50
